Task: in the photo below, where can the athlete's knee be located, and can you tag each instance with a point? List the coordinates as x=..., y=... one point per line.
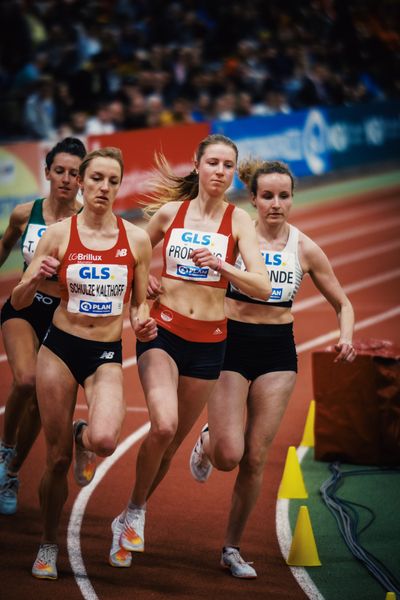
x=59, y=462
x=253, y=463
x=163, y=432
x=226, y=456
x=103, y=444
x=25, y=383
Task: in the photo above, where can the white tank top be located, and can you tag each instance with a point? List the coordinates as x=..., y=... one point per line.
x=284, y=271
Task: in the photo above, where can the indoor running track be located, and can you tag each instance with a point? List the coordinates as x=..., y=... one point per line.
x=186, y=520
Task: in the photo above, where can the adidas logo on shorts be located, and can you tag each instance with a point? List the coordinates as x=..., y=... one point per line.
x=217, y=331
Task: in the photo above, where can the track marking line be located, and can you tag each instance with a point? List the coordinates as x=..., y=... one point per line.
x=282, y=523
x=282, y=526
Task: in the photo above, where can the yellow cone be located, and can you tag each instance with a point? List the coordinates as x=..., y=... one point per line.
x=308, y=434
x=303, y=551
x=390, y=596
x=292, y=484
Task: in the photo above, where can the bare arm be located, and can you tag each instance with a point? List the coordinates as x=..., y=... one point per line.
x=160, y=221
x=254, y=281
x=18, y=219
x=44, y=264
x=143, y=325
x=324, y=278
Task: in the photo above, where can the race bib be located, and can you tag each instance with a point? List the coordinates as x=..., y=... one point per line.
x=96, y=290
x=181, y=245
x=281, y=269
x=33, y=235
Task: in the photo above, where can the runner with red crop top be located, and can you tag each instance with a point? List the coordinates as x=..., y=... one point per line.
x=102, y=263
x=202, y=235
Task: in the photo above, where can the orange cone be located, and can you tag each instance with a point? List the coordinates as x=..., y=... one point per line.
x=303, y=551
x=308, y=434
x=292, y=484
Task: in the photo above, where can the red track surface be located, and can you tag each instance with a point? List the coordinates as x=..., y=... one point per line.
x=186, y=520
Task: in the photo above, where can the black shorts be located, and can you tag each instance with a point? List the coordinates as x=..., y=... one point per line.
x=202, y=360
x=39, y=314
x=81, y=356
x=255, y=349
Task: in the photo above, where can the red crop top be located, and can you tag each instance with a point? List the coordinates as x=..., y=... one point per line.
x=96, y=283
x=180, y=241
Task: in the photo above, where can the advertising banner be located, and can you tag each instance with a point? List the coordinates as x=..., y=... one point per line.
x=178, y=143
x=19, y=177
x=319, y=140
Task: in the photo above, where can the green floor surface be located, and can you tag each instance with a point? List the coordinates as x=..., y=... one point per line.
x=342, y=576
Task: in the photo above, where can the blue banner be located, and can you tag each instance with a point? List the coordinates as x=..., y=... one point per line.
x=319, y=141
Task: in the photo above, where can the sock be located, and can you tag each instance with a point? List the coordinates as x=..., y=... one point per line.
x=226, y=548
x=132, y=506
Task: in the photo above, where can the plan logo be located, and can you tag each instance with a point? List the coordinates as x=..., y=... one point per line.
x=95, y=308
x=276, y=294
x=189, y=271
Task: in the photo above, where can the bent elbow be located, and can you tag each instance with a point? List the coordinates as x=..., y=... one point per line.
x=18, y=303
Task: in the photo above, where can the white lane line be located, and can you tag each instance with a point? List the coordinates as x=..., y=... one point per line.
x=352, y=287
x=356, y=231
x=346, y=214
x=282, y=523
x=285, y=540
x=78, y=510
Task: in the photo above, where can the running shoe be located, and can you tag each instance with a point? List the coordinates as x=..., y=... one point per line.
x=119, y=557
x=85, y=460
x=6, y=456
x=231, y=559
x=9, y=496
x=45, y=566
x=200, y=464
x=132, y=536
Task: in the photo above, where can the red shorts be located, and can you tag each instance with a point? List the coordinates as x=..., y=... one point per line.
x=192, y=330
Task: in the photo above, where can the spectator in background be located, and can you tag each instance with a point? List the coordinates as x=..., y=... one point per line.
x=244, y=106
x=116, y=111
x=40, y=111
x=275, y=102
x=225, y=107
x=154, y=110
x=179, y=113
x=202, y=108
x=135, y=113
x=180, y=51
x=101, y=122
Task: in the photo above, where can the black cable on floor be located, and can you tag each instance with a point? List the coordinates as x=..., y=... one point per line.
x=347, y=519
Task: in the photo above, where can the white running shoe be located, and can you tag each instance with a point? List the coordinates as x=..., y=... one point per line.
x=200, y=464
x=45, y=566
x=231, y=559
x=119, y=557
x=132, y=536
x=85, y=460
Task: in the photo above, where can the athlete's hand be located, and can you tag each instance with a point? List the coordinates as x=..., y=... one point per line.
x=146, y=330
x=346, y=351
x=203, y=258
x=154, y=288
x=48, y=267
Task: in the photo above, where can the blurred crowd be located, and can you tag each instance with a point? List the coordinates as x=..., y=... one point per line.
x=69, y=67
